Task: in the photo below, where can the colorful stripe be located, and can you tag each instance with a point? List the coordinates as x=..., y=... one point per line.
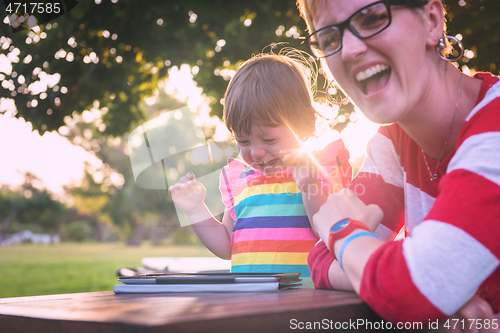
x=273, y=246
x=269, y=258
x=272, y=222
x=272, y=199
x=270, y=210
x=273, y=234
x=243, y=192
x=302, y=269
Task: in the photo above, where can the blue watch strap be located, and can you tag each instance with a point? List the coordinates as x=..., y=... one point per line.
x=350, y=239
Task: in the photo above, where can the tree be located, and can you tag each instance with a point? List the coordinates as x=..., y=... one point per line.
x=109, y=196
x=115, y=52
x=479, y=24
x=29, y=206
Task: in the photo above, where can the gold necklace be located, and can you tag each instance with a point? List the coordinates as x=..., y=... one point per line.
x=434, y=176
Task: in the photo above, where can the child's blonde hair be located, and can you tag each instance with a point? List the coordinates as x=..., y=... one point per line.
x=272, y=89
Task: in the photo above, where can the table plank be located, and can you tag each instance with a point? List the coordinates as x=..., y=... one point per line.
x=187, y=312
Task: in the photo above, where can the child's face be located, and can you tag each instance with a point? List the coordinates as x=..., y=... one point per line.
x=260, y=149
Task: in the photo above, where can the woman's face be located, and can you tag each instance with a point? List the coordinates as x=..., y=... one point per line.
x=379, y=73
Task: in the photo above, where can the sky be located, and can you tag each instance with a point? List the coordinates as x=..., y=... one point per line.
x=51, y=157
x=58, y=162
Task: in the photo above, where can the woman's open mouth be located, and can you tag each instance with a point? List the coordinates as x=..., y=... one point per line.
x=374, y=78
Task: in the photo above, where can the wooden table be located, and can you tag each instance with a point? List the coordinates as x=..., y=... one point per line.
x=189, y=312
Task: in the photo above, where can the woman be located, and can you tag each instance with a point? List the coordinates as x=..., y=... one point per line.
x=434, y=171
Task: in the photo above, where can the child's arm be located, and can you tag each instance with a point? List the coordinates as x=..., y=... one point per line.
x=305, y=174
x=189, y=195
x=313, y=197
x=216, y=236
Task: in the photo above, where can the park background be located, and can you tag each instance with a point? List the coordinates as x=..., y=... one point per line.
x=73, y=89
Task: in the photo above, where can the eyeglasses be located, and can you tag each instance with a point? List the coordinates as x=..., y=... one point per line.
x=364, y=23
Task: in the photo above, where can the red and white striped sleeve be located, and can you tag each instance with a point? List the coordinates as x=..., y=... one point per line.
x=380, y=182
x=454, y=253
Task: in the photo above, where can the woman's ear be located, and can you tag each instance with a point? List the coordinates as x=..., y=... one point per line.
x=434, y=16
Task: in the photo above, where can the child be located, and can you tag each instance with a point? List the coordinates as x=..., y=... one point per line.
x=266, y=228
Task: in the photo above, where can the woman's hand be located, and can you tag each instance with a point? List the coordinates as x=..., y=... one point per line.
x=188, y=194
x=473, y=317
x=343, y=204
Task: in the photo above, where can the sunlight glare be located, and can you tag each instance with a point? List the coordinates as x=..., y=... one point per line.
x=5, y=64
x=50, y=157
x=357, y=135
x=306, y=149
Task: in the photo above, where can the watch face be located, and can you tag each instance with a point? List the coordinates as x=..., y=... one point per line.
x=340, y=225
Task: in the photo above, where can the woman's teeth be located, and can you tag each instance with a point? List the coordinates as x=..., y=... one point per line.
x=368, y=73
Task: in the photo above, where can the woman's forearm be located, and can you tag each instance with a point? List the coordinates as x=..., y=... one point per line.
x=354, y=258
x=338, y=278
x=345, y=204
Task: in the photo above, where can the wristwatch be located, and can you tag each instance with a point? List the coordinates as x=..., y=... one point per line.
x=343, y=228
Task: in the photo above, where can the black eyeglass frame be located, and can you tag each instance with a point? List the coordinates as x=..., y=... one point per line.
x=347, y=23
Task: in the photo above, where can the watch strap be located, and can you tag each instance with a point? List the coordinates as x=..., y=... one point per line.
x=334, y=236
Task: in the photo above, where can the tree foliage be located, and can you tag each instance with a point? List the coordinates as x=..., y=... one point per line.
x=121, y=49
x=478, y=22
x=29, y=206
x=109, y=195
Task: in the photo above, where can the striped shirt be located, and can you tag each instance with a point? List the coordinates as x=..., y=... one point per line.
x=452, y=251
x=272, y=233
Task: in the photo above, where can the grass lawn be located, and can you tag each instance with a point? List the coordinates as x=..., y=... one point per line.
x=28, y=270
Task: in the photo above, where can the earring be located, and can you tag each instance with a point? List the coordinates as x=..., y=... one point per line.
x=332, y=101
x=445, y=46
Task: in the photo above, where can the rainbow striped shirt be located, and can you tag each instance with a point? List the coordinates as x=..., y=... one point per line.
x=272, y=233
